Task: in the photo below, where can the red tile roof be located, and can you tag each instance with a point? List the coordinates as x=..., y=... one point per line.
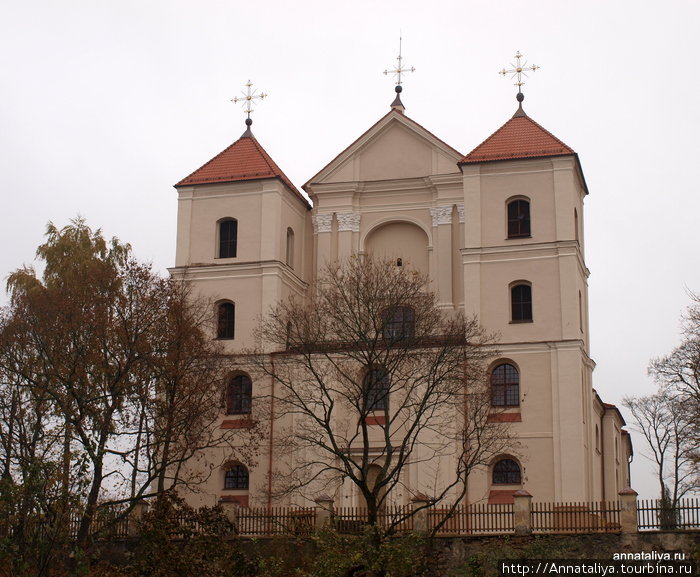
x=501, y=496
x=520, y=137
x=244, y=160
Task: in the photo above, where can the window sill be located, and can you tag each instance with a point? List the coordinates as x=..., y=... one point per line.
x=518, y=237
x=505, y=418
x=242, y=500
x=501, y=496
x=375, y=420
x=520, y=322
x=237, y=424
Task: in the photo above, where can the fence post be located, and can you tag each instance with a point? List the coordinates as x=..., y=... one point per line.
x=135, y=518
x=419, y=504
x=522, y=507
x=323, y=512
x=231, y=511
x=628, y=510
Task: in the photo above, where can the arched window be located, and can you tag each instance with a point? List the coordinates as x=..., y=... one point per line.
x=505, y=386
x=239, y=395
x=376, y=389
x=399, y=323
x=236, y=477
x=518, y=218
x=290, y=248
x=506, y=472
x=228, y=237
x=225, y=320
x=521, y=303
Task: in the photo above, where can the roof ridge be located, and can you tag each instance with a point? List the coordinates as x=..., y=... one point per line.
x=273, y=165
x=559, y=140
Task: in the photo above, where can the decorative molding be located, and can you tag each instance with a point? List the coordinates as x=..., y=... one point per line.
x=441, y=215
x=460, y=211
x=322, y=222
x=348, y=221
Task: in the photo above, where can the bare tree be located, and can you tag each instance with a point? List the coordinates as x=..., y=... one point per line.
x=666, y=425
x=120, y=366
x=370, y=377
x=679, y=375
x=670, y=419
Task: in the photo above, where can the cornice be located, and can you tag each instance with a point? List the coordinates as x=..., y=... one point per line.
x=227, y=271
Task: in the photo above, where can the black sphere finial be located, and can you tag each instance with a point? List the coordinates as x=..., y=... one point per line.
x=248, y=121
x=520, y=97
x=398, y=89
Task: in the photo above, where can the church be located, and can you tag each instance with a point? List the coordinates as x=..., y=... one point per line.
x=499, y=231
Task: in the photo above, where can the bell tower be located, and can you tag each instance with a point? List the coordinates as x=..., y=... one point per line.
x=242, y=234
x=525, y=278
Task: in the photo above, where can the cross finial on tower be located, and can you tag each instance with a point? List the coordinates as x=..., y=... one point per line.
x=519, y=70
x=248, y=99
x=397, y=72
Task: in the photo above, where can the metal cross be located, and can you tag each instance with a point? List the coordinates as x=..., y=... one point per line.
x=248, y=98
x=519, y=70
x=399, y=69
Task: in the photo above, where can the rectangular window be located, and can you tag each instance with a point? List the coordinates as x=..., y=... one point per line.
x=228, y=236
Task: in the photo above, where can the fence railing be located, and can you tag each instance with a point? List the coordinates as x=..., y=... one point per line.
x=475, y=519
x=353, y=520
x=658, y=515
x=260, y=521
x=602, y=517
x=523, y=517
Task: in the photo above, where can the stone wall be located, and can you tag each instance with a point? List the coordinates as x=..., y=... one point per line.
x=480, y=555
x=470, y=556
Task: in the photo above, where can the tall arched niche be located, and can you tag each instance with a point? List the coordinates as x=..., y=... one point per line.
x=400, y=240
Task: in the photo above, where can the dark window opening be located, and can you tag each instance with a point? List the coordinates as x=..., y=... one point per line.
x=518, y=219
x=376, y=387
x=239, y=395
x=226, y=320
x=506, y=472
x=505, y=386
x=236, y=478
x=521, y=303
x=399, y=323
x=228, y=237
x=290, y=248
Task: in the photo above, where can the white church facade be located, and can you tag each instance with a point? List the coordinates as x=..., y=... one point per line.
x=500, y=231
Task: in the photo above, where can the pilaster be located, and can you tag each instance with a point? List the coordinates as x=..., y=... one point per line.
x=442, y=242
x=348, y=233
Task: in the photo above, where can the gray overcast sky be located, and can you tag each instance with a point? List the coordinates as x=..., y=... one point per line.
x=106, y=104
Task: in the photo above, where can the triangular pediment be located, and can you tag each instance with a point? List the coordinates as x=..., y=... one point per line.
x=396, y=147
